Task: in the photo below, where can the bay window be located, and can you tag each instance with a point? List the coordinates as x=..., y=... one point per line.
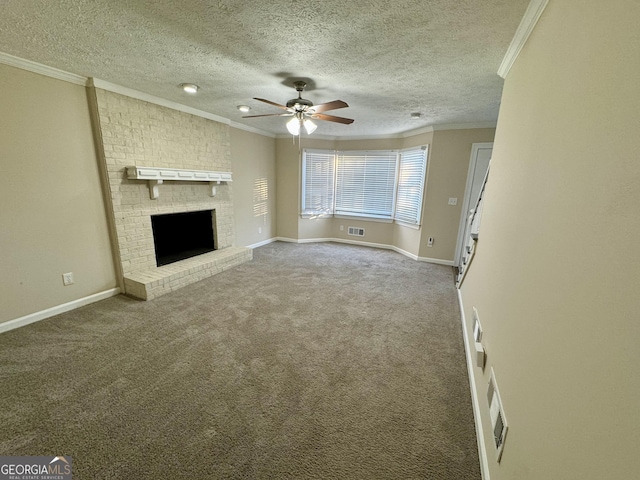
x=375, y=184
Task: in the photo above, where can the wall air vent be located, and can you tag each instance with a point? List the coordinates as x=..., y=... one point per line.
x=498, y=420
x=358, y=232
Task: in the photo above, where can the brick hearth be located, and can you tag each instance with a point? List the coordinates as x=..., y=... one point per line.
x=158, y=281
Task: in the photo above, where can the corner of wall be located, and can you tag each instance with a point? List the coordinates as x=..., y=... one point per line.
x=104, y=181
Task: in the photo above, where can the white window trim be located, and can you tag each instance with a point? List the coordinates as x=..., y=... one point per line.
x=423, y=184
x=414, y=226
x=363, y=160
x=362, y=217
x=367, y=217
x=302, y=199
x=317, y=215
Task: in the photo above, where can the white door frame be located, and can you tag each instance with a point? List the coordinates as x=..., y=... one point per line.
x=466, y=204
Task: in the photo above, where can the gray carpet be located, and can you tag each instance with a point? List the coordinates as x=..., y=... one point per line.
x=313, y=361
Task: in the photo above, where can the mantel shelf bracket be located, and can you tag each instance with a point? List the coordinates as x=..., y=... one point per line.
x=154, y=188
x=213, y=186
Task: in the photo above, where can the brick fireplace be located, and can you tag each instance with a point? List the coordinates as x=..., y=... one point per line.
x=132, y=132
x=178, y=236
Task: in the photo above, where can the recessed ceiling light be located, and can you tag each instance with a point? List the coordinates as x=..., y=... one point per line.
x=190, y=87
x=244, y=108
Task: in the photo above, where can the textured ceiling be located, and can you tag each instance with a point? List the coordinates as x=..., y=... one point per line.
x=386, y=59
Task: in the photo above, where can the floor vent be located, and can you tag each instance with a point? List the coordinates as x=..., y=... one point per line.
x=358, y=232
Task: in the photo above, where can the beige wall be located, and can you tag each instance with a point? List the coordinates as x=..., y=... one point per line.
x=447, y=177
x=555, y=278
x=406, y=238
x=287, y=188
x=53, y=218
x=449, y=154
x=52, y=213
x=266, y=176
x=253, y=163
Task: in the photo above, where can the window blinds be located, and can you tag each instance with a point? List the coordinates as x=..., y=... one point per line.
x=366, y=183
x=411, y=174
x=317, y=181
x=386, y=185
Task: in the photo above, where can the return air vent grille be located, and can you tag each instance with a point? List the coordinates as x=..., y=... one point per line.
x=496, y=412
x=358, y=232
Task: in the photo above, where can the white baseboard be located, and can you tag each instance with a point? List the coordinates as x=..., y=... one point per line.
x=314, y=240
x=482, y=448
x=50, y=312
x=343, y=240
x=448, y=263
x=368, y=244
x=404, y=252
x=264, y=242
x=286, y=239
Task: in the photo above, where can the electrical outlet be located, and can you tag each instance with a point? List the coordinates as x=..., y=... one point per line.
x=453, y=201
x=430, y=242
x=67, y=278
x=259, y=229
x=342, y=228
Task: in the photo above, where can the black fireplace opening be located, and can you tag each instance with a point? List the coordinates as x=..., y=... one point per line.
x=177, y=236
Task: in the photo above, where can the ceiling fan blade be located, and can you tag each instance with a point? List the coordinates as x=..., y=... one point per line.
x=331, y=118
x=273, y=103
x=324, y=107
x=269, y=115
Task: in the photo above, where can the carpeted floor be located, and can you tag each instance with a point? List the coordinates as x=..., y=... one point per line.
x=313, y=361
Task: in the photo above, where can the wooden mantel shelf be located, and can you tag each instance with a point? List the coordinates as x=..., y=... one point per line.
x=156, y=176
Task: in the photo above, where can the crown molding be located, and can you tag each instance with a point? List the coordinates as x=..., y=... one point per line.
x=464, y=126
x=58, y=74
x=407, y=134
x=52, y=72
x=528, y=22
x=334, y=138
x=417, y=131
x=247, y=128
x=410, y=133
x=34, y=67
x=341, y=138
x=129, y=92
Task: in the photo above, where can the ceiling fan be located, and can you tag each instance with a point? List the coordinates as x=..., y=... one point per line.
x=303, y=110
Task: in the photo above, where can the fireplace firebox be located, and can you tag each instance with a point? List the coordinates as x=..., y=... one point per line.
x=177, y=236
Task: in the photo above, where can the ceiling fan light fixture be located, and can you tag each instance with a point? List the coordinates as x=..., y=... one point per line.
x=293, y=126
x=309, y=126
x=190, y=87
x=302, y=110
x=244, y=108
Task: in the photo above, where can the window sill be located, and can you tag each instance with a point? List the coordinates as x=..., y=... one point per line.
x=408, y=225
x=364, y=218
x=310, y=216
